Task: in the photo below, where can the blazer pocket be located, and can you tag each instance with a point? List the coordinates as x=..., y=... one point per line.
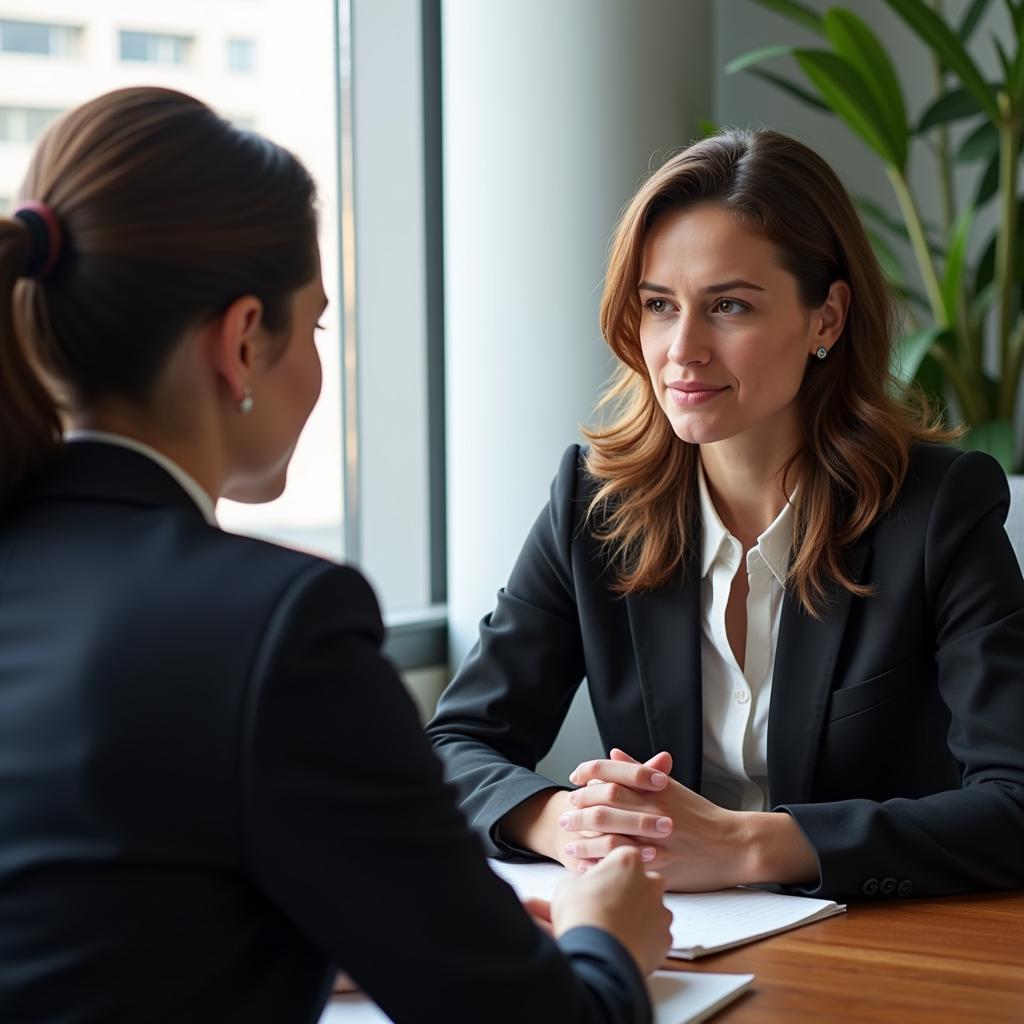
x=895, y=682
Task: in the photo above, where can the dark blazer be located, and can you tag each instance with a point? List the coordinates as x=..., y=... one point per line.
x=213, y=788
x=896, y=724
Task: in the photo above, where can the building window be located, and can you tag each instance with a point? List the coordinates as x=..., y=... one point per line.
x=25, y=124
x=39, y=38
x=155, y=47
x=241, y=55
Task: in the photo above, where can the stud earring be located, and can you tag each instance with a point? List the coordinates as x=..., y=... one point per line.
x=822, y=352
x=247, y=402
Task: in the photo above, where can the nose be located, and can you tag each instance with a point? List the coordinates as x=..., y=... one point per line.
x=689, y=344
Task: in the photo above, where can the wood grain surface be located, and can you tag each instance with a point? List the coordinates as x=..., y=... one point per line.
x=959, y=959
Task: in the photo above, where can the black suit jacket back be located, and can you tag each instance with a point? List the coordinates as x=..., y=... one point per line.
x=213, y=788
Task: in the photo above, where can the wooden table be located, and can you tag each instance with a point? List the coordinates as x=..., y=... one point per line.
x=959, y=959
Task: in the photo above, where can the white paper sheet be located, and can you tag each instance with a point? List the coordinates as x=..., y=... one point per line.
x=678, y=997
x=702, y=922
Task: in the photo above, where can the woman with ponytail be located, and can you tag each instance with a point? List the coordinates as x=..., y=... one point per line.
x=196, y=823
x=797, y=610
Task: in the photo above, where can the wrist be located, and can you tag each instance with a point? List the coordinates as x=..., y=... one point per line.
x=533, y=824
x=777, y=851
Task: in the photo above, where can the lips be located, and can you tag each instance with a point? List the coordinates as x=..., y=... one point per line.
x=695, y=385
x=694, y=392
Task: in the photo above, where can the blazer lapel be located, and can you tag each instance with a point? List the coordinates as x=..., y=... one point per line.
x=666, y=629
x=805, y=663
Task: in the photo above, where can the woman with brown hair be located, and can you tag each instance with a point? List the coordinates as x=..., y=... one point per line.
x=798, y=613
x=195, y=821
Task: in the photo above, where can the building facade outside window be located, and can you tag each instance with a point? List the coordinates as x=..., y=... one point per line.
x=25, y=124
x=155, y=47
x=39, y=38
x=242, y=55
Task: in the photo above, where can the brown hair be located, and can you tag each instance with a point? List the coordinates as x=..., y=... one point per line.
x=857, y=435
x=168, y=214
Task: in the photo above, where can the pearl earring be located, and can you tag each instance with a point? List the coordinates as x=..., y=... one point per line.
x=822, y=352
x=247, y=402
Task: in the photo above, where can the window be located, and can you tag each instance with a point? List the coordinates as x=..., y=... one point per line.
x=39, y=38
x=366, y=483
x=154, y=48
x=25, y=124
x=241, y=55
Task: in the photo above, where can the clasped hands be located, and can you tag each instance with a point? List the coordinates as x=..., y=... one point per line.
x=694, y=844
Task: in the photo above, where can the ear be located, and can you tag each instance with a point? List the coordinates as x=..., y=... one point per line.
x=234, y=343
x=829, y=319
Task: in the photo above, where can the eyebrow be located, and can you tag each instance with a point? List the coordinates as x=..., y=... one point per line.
x=723, y=286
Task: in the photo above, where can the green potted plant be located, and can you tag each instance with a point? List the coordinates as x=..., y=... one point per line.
x=965, y=305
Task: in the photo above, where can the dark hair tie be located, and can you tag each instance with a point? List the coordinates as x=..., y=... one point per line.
x=45, y=233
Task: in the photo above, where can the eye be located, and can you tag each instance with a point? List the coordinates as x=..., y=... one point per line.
x=656, y=306
x=730, y=307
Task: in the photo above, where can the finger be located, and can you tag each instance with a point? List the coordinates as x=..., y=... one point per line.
x=612, y=794
x=620, y=755
x=596, y=849
x=612, y=819
x=635, y=776
x=537, y=908
x=661, y=762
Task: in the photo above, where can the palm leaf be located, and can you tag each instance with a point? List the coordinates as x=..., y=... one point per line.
x=843, y=88
x=980, y=144
x=796, y=91
x=970, y=20
x=800, y=13
x=859, y=46
x=950, y=106
x=941, y=39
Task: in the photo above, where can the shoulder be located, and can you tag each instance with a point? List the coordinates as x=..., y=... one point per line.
x=942, y=480
x=249, y=587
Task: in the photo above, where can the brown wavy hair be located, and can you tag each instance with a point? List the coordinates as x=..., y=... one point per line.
x=857, y=429
x=168, y=213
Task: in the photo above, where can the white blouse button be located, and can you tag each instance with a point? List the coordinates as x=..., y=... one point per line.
x=742, y=696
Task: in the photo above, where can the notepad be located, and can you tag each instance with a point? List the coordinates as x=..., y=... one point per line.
x=678, y=997
x=702, y=922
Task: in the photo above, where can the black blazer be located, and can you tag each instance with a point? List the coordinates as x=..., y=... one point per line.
x=213, y=788
x=896, y=724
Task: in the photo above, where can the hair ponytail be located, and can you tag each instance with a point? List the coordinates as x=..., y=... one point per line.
x=29, y=424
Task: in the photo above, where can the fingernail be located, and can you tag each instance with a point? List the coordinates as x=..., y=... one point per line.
x=572, y=777
x=564, y=820
x=663, y=824
x=594, y=782
x=574, y=798
x=648, y=853
x=570, y=848
x=583, y=867
x=658, y=779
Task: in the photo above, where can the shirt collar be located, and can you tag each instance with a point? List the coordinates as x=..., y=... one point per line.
x=774, y=544
x=188, y=483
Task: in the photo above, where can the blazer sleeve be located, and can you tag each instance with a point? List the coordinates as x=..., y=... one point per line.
x=501, y=713
x=973, y=837
x=351, y=831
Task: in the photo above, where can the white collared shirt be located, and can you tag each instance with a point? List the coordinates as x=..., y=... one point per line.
x=736, y=701
x=188, y=483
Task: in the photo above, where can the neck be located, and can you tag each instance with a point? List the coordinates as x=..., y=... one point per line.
x=199, y=460
x=744, y=475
